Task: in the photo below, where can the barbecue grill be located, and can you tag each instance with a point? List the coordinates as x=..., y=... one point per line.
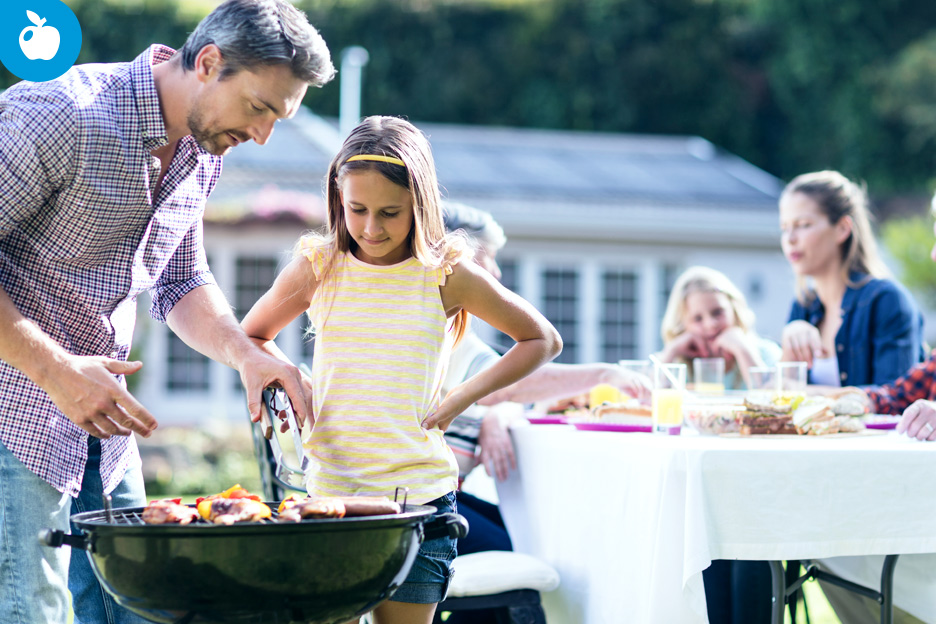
x=322, y=571
x=316, y=571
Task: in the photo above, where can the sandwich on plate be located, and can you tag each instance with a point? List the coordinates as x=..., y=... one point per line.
x=768, y=413
x=820, y=415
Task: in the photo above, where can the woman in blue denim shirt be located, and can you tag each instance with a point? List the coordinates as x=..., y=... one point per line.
x=850, y=323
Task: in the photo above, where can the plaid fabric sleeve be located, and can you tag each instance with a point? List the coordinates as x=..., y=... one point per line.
x=187, y=270
x=37, y=143
x=919, y=383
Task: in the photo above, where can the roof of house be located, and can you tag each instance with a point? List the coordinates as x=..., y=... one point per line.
x=283, y=179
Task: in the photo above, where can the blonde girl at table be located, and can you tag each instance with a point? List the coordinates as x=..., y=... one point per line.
x=850, y=322
x=707, y=316
x=388, y=294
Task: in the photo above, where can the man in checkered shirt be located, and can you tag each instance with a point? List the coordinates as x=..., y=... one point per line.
x=104, y=174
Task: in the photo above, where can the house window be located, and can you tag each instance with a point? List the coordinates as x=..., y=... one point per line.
x=669, y=274
x=187, y=370
x=560, y=306
x=755, y=289
x=619, y=316
x=503, y=342
x=253, y=276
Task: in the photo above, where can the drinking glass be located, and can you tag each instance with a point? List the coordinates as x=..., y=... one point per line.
x=669, y=386
x=643, y=367
x=763, y=378
x=791, y=376
x=640, y=367
x=708, y=375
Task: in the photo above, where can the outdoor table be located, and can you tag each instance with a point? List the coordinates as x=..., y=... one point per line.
x=630, y=520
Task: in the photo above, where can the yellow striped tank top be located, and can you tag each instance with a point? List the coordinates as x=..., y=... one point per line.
x=381, y=348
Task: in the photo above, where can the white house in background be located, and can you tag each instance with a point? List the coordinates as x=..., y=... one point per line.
x=598, y=227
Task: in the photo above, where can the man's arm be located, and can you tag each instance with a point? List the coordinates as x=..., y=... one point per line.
x=556, y=381
x=83, y=387
x=203, y=319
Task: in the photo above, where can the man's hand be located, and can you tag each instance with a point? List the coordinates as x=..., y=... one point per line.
x=919, y=421
x=497, y=452
x=262, y=370
x=85, y=389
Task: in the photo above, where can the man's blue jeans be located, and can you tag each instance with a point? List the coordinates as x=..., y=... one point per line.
x=35, y=579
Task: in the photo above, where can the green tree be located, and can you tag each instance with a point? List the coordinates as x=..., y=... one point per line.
x=824, y=72
x=909, y=241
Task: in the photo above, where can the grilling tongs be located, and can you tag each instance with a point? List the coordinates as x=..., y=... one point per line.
x=276, y=402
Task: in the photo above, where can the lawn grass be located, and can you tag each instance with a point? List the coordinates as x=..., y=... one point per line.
x=820, y=611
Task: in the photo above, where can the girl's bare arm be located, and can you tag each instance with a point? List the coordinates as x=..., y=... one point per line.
x=283, y=303
x=473, y=289
x=278, y=307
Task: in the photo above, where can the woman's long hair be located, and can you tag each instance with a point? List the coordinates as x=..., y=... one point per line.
x=839, y=197
x=395, y=138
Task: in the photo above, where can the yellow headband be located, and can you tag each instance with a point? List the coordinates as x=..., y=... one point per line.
x=378, y=158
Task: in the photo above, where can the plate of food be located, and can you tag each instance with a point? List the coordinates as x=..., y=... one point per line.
x=880, y=421
x=546, y=419
x=798, y=414
x=610, y=426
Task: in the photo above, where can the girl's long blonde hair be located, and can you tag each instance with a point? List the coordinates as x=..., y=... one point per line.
x=702, y=279
x=395, y=138
x=839, y=197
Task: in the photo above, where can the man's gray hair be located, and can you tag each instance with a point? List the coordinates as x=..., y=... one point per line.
x=252, y=33
x=476, y=223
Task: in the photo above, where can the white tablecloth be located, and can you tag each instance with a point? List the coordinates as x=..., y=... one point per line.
x=630, y=520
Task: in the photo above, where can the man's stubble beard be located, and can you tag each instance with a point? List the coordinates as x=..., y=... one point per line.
x=211, y=143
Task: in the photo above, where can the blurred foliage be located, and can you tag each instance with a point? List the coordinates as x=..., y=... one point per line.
x=204, y=460
x=791, y=86
x=910, y=241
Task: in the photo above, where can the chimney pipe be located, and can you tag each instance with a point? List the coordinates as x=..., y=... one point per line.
x=353, y=60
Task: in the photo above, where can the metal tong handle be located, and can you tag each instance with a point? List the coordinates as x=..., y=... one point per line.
x=275, y=401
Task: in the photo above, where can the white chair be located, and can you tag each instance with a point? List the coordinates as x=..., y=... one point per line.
x=507, y=582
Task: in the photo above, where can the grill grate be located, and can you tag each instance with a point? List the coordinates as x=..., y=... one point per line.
x=132, y=517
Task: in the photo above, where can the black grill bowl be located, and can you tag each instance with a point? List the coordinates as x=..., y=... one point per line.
x=314, y=572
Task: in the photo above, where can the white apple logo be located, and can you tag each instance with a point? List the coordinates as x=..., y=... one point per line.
x=44, y=42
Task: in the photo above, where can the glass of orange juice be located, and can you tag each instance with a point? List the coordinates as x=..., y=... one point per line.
x=669, y=386
x=603, y=393
x=708, y=375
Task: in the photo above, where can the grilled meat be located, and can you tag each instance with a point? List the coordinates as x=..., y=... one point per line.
x=231, y=510
x=293, y=509
x=168, y=512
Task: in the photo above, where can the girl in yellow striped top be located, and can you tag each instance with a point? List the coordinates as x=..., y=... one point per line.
x=388, y=294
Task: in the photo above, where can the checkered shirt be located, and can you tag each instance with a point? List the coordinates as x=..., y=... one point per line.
x=81, y=236
x=918, y=383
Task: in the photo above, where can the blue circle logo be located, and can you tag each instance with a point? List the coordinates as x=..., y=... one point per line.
x=39, y=39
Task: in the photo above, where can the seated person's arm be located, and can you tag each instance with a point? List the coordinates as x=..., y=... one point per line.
x=554, y=381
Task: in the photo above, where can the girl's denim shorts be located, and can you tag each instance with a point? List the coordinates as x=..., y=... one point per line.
x=429, y=578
